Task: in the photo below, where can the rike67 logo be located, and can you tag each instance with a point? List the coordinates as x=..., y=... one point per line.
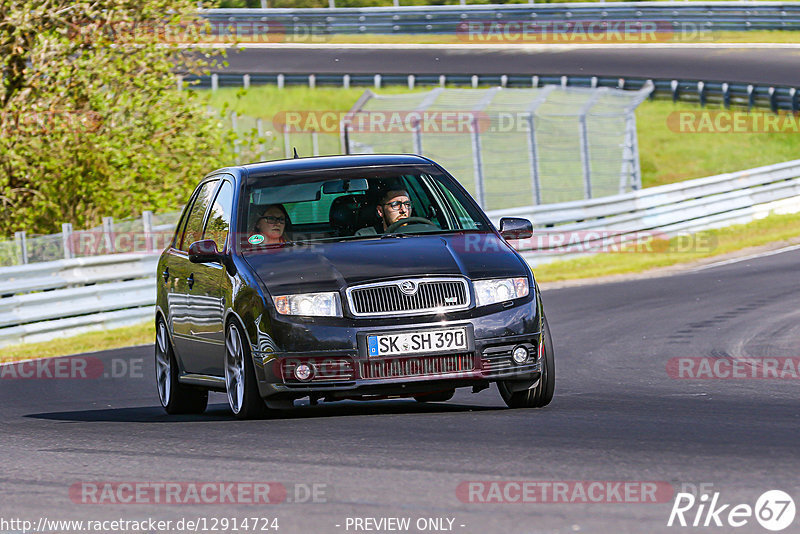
x=774, y=510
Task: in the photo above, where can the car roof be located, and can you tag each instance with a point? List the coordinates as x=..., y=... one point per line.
x=329, y=162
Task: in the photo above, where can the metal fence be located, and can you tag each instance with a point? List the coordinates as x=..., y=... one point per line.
x=703, y=92
x=144, y=234
x=511, y=147
x=61, y=298
x=669, y=17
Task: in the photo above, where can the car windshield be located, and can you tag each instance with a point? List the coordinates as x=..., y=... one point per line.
x=351, y=204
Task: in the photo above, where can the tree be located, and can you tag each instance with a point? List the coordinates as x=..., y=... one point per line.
x=91, y=122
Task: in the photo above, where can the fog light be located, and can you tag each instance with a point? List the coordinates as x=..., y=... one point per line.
x=303, y=372
x=520, y=354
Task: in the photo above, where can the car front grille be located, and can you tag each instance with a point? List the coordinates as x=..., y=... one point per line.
x=429, y=295
x=413, y=366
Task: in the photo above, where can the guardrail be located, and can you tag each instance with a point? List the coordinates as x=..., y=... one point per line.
x=661, y=212
x=698, y=91
x=683, y=16
x=54, y=299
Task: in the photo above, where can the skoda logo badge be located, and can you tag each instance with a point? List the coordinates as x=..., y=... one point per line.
x=408, y=287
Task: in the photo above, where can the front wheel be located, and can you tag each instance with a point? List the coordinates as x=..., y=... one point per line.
x=541, y=394
x=240, y=377
x=175, y=397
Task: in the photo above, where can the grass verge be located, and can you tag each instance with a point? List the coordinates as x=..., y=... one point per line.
x=265, y=101
x=89, y=342
x=706, y=244
x=669, y=156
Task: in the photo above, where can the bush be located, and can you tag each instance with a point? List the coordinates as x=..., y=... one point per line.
x=91, y=123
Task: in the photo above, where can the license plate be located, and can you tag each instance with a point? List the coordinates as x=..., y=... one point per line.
x=449, y=339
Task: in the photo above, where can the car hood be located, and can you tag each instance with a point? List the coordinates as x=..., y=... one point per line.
x=334, y=266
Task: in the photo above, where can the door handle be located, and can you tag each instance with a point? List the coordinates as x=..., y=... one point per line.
x=190, y=280
x=165, y=274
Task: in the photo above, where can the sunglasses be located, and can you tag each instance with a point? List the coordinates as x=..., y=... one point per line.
x=273, y=220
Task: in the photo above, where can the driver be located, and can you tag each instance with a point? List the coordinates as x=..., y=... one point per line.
x=392, y=206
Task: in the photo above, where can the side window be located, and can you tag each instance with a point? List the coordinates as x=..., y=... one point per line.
x=467, y=218
x=176, y=239
x=219, y=220
x=194, y=223
x=422, y=202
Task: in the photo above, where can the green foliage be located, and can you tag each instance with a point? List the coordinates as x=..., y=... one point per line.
x=127, y=336
x=91, y=123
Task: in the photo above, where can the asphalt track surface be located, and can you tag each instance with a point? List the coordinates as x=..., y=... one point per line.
x=617, y=416
x=743, y=64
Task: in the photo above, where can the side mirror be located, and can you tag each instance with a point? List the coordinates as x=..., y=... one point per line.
x=204, y=251
x=515, y=228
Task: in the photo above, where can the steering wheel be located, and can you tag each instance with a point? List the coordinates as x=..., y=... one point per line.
x=408, y=220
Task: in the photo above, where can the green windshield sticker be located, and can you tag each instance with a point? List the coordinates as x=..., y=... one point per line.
x=255, y=239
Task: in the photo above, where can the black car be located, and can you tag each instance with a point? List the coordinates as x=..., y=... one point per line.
x=345, y=277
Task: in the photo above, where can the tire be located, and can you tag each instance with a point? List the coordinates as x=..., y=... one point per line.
x=176, y=398
x=541, y=394
x=240, y=377
x=436, y=396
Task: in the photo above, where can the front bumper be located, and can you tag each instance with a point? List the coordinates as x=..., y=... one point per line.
x=339, y=349
x=350, y=373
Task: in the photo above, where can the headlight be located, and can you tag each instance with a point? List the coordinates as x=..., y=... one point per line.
x=499, y=290
x=309, y=304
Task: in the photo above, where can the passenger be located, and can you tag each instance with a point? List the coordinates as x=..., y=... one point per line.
x=272, y=225
x=392, y=206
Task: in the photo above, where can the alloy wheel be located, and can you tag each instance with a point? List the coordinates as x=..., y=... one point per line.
x=163, y=365
x=234, y=369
